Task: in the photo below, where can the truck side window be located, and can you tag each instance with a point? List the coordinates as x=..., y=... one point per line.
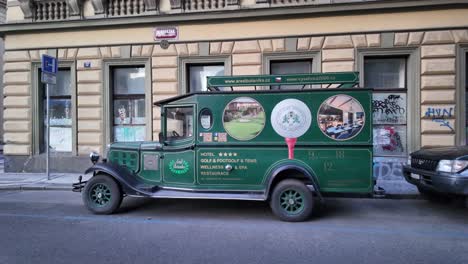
x=206, y=118
x=179, y=123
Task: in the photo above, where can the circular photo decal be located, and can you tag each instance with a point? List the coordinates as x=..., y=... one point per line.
x=243, y=118
x=341, y=117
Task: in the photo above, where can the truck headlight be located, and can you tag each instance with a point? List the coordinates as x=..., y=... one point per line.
x=94, y=157
x=453, y=166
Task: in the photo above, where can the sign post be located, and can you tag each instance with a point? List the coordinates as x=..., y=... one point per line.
x=49, y=66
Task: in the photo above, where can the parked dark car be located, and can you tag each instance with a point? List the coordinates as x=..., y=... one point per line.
x=439, y=171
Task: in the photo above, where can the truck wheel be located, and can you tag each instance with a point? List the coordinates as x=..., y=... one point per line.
x=102, y=195
x=292, y=201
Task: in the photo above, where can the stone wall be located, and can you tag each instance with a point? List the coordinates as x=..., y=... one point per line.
x=338, y=53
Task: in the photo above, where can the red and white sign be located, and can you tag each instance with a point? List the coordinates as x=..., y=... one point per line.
x=166, y=33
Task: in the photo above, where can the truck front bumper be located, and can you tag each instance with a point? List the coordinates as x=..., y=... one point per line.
x=441, y=182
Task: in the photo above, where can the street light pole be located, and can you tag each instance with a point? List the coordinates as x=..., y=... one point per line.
x=49, y=66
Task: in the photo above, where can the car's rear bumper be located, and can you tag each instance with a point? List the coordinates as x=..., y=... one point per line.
x=437, y=181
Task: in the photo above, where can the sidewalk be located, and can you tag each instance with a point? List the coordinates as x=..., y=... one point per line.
x=38, y=181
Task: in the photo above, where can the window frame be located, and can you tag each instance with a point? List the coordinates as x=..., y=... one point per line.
x=108, y=113
x=314, y=56
x=37, y=111
x=460, y=93
x=413, y=90
x=181, y=140
x=184, y=62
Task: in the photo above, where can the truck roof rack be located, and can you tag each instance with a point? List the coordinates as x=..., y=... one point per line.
x=343, y=79
x=218, y=84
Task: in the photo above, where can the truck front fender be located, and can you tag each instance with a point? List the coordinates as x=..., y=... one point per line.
x=122, y=175
x=276, y=173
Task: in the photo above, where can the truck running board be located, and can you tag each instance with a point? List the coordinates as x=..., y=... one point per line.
x=164, y=193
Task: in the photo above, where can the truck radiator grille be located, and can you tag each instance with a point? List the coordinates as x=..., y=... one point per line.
x=424, y=164
x=125, y=158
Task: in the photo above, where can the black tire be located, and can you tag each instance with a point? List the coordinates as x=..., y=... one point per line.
x=466, y=202
x=292, y=209
x=102, y=194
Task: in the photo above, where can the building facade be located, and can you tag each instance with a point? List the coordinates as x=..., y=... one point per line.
x=111, y=68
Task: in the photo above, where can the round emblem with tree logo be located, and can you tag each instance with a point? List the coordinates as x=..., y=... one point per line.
x=178, y=166
x=291, y=118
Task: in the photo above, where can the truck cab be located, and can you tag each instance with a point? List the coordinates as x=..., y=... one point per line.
x=287, y=147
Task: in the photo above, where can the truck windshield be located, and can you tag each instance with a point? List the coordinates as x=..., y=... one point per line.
x=179, y=123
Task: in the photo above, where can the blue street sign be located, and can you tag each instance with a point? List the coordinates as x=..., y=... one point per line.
x=49, y=64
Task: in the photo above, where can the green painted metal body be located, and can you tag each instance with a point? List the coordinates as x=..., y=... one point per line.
x=211, y=159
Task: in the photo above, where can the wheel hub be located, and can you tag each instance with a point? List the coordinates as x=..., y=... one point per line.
x=100, y=194
x=292, y=201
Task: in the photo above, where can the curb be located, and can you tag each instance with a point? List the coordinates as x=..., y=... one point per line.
x=36, y=188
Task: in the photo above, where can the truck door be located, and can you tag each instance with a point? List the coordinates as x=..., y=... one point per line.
x=179, y=155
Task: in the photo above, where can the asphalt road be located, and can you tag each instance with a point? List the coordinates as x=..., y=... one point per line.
x=54, y=227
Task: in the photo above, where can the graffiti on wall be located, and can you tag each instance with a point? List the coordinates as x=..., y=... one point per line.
x=389, y=140
x=388, y=168
x=389, y=108
x=440, y=115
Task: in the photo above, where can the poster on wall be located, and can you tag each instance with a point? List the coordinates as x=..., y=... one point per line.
x=390, y=140
x=389, y=108
x=61, y=139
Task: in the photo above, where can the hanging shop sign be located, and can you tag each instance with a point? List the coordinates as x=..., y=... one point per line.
x=166, y=33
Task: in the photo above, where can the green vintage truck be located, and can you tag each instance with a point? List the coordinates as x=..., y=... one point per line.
x=289, y=147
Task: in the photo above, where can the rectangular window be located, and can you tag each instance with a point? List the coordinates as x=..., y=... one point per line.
x=197, y=73
x=388, y=76
x=179, y=123
x=60, y=115
x=385, y=73
x=290, y=67
x=128, y=103
x=466, y=98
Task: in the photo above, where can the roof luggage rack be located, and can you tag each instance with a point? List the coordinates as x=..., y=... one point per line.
x=343, y=79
